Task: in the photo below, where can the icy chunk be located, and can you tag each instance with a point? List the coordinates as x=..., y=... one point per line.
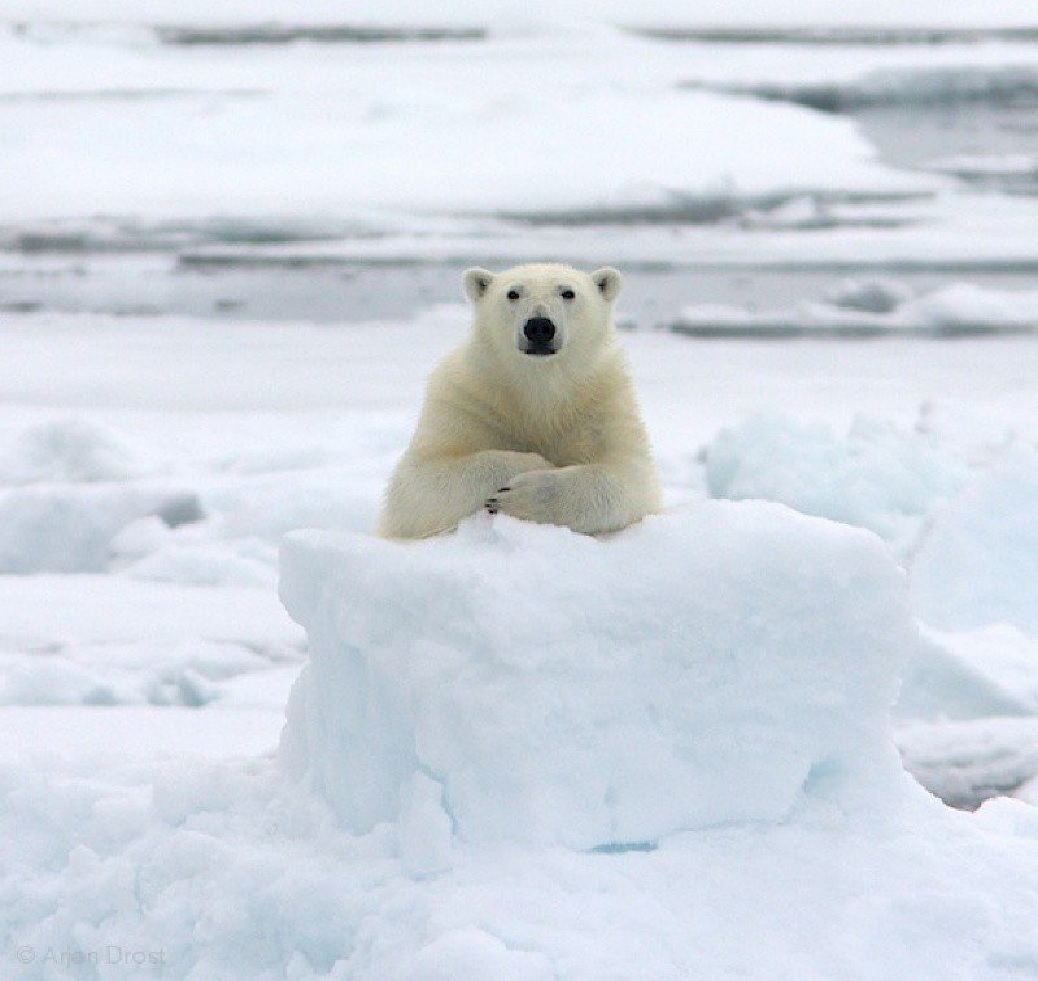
x=701, y=668
x=979, y=563
x=877, y=477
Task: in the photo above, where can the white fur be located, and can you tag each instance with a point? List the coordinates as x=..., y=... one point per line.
x=556, y=439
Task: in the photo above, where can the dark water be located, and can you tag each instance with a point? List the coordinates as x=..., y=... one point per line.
x=907, y=137
x=917, y=118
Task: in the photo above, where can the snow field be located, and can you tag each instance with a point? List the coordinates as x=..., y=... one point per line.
x=199, y=133
x=149, y=470
x=552, y=810
x=145, y=832
x=244, y=133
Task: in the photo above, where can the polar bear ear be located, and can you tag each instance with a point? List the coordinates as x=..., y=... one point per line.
x=608, y=281
x=477, y=282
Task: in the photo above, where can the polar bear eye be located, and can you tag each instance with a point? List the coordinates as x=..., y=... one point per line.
x=568, y=294
x=513, y=295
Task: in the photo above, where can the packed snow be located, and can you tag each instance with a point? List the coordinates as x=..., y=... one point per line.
x=467, y=662
x=231, y=253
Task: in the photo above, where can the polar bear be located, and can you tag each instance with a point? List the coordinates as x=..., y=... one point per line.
x=534, y=416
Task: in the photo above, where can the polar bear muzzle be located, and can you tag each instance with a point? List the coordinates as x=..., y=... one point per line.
x=539, y=336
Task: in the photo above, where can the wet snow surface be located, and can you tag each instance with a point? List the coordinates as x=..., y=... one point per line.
x=230, y=251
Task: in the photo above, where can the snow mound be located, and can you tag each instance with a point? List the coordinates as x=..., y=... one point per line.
x=978, y=564
x=71, y=528
x=73, y=450
x=521, y=683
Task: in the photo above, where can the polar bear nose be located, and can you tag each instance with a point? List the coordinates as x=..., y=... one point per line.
x=539, y=331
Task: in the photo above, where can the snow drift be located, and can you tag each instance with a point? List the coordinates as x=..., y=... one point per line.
x=523, y=683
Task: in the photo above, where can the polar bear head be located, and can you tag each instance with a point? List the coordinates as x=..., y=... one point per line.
x=543, y=312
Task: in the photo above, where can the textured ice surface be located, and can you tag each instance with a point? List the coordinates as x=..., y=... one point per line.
x=979, y=562
x=700, y=668
x=876, y=477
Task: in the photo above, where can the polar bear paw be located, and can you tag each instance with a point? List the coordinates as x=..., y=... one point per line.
x=531, y=496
